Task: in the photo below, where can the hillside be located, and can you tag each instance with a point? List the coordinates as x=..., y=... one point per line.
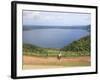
x=32, y=48
x=82, y=44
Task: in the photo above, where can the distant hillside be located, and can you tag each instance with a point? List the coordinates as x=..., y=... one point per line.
x=84, y=27
x=80, y=45
x=30, y=48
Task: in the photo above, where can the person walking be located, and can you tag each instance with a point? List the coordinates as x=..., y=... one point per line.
x=59, y=56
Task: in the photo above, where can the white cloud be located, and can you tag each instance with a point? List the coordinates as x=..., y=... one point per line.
x=52, y=18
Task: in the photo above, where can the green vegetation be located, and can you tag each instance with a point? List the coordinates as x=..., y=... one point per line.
x=81, y=45
x=29, y=49
x=77, y=48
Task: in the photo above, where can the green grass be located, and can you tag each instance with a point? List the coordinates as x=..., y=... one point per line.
x=54, y=54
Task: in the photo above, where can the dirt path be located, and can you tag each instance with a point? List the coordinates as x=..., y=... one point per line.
x=43, y=62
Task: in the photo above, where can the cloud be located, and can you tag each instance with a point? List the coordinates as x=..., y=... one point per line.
x=55, y=18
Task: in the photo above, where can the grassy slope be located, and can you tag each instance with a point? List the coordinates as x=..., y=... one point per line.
x=82, y=44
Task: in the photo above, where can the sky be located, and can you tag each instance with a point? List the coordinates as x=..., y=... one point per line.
x=55, y=18
x=53, y=38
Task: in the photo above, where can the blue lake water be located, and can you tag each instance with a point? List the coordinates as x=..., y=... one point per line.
x=53, y=38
